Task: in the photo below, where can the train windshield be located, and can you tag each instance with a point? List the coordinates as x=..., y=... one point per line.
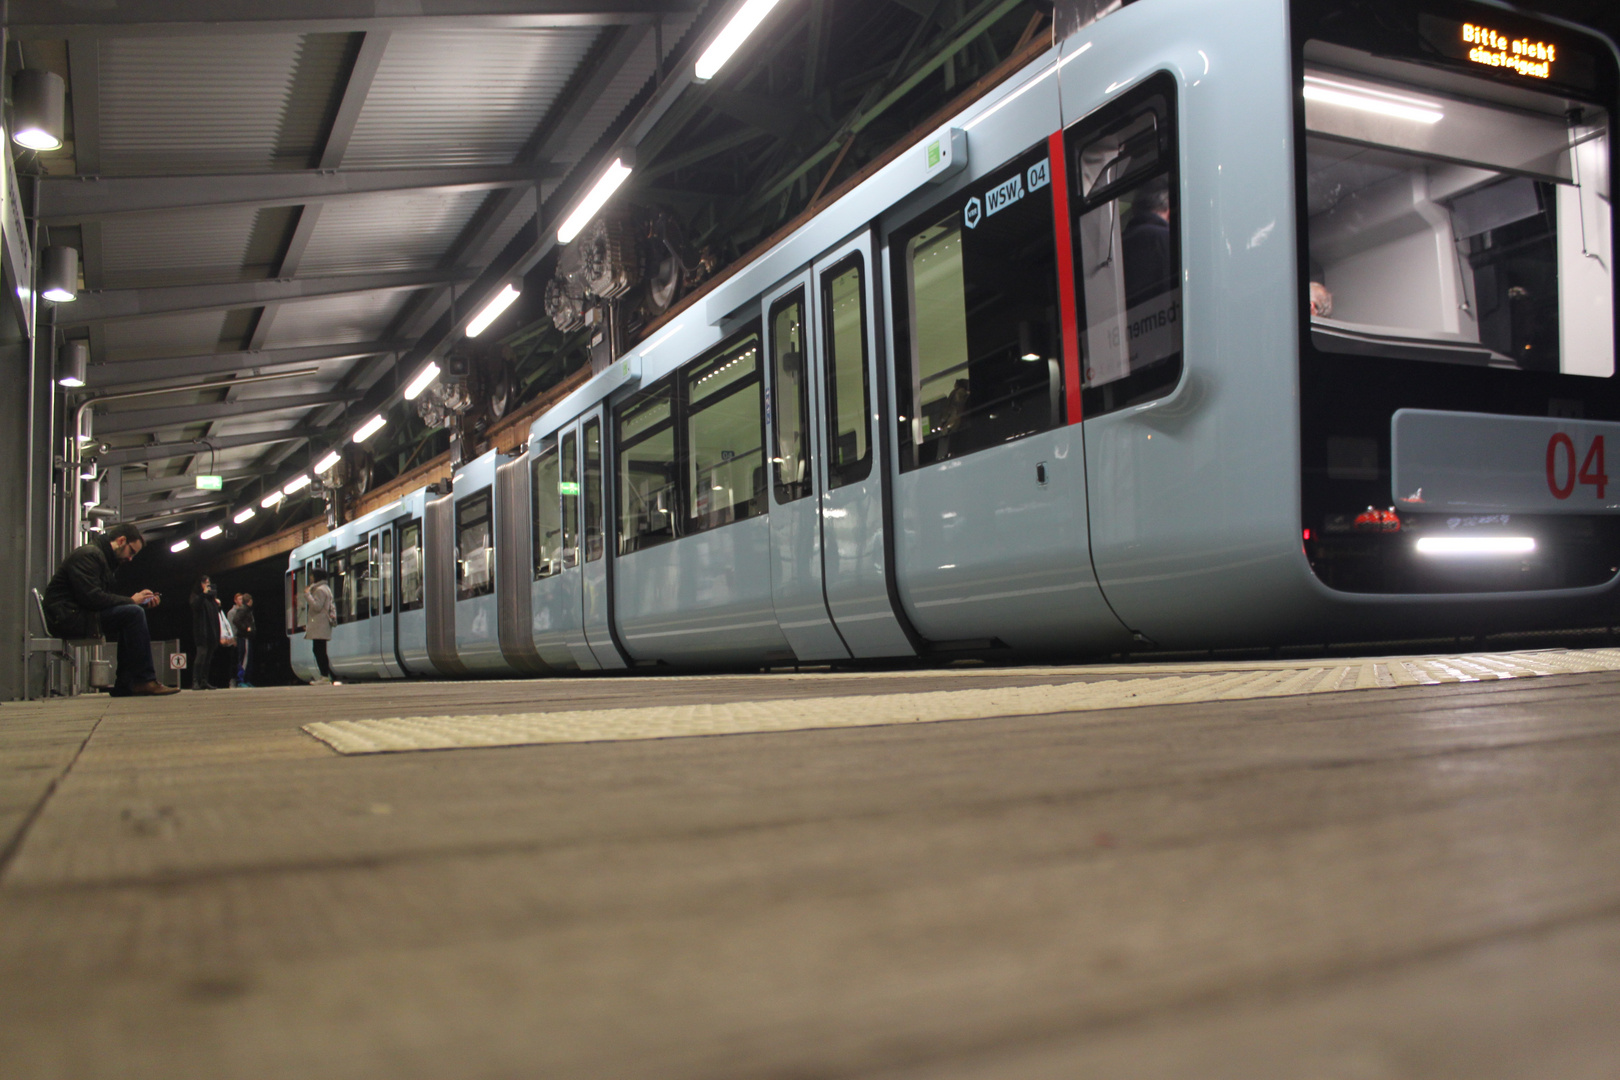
x=1457, y=218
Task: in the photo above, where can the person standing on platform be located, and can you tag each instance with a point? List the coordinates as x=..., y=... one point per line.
x=241, y=617
x=205, y=627
x=318, y=628
x=80, y=602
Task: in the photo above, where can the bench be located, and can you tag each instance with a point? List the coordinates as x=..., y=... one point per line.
x=63, y=648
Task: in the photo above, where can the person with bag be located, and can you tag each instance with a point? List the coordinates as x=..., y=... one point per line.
x=318, y=628
x=242, y=625
x=209, y=630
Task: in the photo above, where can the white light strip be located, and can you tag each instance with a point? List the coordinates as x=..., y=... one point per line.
x=1476, y=545
x=179, y=546
x=210, y=532
x=272, y=499
x=1370, y=100
x=246, y=513
x=370, y=428
x=69, y=380
x=745, y=22
x=422, y=381
x=492, y=311
x=296, y=484
x=324, y=465
x=605, y=187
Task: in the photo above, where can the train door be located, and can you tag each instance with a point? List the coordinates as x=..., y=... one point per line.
x=384, y=617
x=798, y=592
x=596, y=592
x=854, y=534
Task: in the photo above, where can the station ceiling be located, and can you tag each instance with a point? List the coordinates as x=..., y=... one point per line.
x=299, y=190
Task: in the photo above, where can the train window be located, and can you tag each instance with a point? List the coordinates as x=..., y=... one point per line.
x=357, y=583
x=338, y=579
x=976, y=328
x=1127, y=249
x=790, y=399
x=1454, y=218
x=410, y=566
x=725, y=436
x=593, y=490
x=547, y=516
x=475, y=549
x=568, y=486
x=374, y=578
x=646, y=491
x=849, y=391
x=297, y=602
x=385, y=570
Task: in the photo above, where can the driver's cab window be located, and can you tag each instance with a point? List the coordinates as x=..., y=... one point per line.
x=1454, y=218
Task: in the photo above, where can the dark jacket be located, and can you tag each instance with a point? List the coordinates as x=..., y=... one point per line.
x=82, y=586
x=241, y=617
x=205, y=619
x=1147, y=258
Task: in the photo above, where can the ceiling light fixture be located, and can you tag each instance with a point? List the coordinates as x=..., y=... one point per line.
x=296, y=484
x=324, y=465
x=179, y=546
x=600, y=192
x=73, y=362
x=730, y=39
x=491, y=311
x=423, y=380
x=59, y=274
x=245, y=514
x=210, y=532
x=38, y=109
x=92, y=492
x=272, y=499
x=1370, y=100
x=370, y=428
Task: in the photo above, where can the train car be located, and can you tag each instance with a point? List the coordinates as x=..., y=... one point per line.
x=1221, y=324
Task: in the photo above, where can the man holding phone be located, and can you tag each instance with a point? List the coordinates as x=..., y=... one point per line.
x=81, y=601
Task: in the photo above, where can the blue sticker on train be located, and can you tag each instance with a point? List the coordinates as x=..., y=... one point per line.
x=1003, y=195
x=972, y=212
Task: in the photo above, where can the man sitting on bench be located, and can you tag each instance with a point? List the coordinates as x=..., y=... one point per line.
x=80, y=603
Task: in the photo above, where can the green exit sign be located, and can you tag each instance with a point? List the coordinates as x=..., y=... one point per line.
x=209, y=483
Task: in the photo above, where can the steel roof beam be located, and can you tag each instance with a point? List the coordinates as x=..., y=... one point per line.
x=71, y=200
x=248, y=362
x=167, y=416
x=43, y=19
x=134, y=455
x=107, y=304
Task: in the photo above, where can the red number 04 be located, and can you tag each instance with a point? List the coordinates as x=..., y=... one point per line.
x=1592, y=470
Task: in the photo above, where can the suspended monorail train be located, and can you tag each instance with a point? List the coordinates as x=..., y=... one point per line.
x=1219, y=324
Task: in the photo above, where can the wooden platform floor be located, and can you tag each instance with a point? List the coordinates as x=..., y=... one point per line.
x=1418, y=883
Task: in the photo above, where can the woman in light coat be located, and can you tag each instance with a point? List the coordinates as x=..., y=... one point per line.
x=318, y=624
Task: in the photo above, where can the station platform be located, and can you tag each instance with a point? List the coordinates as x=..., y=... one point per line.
x=1355, y=869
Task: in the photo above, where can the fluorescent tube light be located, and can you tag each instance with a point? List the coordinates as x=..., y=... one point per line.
x=210, y=532
x=742, y=24
x=272, y=499
x=246, y=513
x=296, y=484
x=423, y=380
x=370, y=428
x=324, y=465
x=1476, y=545
x=1369, y=100
x=599, y=194
x=491, y=311
x=179, y=546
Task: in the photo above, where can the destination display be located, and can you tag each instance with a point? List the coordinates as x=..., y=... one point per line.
x=1452, y=462
x=1535, y=57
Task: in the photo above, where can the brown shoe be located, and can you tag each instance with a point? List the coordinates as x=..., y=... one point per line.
x=152, y=689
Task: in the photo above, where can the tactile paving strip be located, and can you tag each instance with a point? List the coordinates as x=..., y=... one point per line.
x=1170, y=687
